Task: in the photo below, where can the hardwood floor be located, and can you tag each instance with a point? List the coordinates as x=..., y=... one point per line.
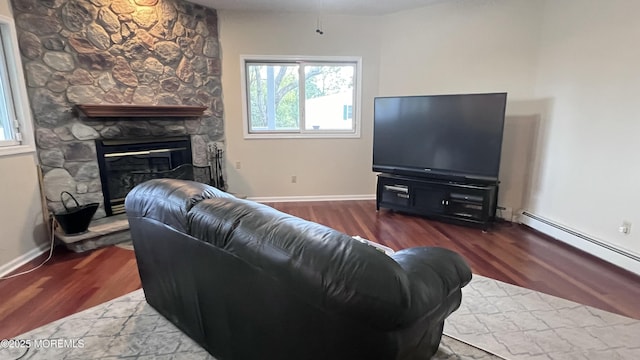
x=511, y=253
x=68, y=283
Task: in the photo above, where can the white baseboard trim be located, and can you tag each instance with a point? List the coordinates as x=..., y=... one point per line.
x=598, y=248
x=312, y=198
x=23, y=259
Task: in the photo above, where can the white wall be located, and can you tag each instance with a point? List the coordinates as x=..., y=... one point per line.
x=471, y=47
x=443, y=48
x=324, y=167
x=21, y=220
x=21, y=224
x=461, y=46
x=588, y=171
x=5, y=9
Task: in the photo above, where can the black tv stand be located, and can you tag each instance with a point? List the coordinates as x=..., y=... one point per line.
x=464, y=203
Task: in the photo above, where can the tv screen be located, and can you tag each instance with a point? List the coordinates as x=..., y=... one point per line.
x=439, y=135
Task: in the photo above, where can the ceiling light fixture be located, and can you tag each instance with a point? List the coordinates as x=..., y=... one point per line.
x=320, y=5
x=319, y=30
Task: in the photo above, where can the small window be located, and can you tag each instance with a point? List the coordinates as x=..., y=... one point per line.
x=308, y=97
x=15, y=117
x=8, y=130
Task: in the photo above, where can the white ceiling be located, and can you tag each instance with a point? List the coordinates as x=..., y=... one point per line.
x=350, y=7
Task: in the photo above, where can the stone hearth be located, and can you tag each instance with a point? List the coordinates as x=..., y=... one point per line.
x=145, y=52
x=102, y=232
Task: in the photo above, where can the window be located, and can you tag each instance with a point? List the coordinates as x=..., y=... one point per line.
x=7, y=129
x=15, y=118
x=301, y=97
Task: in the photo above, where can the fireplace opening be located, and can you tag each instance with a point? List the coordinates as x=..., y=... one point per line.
x=126, y=163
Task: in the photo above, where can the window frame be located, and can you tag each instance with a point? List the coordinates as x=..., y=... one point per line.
x=14, y=84
x=301, y=132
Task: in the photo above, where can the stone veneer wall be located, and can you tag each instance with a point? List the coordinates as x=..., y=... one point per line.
x=120, y=52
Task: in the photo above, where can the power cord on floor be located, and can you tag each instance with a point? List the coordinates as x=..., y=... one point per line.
x=53, y=224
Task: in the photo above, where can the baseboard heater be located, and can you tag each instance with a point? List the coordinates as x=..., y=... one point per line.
x=582, y=236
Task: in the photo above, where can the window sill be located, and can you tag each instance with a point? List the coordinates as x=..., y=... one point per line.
x=302, y=136
x=16, y=150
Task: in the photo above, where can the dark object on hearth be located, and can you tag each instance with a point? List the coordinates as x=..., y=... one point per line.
x=75, y=220
x=246, y=281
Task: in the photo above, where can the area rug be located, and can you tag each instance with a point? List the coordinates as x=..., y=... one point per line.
x=127, y=327
x=506, y=321
x=517, y=323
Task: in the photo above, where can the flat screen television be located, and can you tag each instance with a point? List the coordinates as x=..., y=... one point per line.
x=456, y=137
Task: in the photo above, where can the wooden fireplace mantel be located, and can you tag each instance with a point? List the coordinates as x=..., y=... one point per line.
x=130, y=110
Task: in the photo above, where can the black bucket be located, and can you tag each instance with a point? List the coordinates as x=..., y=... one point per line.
x=75, y=220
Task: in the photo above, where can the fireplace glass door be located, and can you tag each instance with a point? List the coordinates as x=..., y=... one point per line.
x=127, y=163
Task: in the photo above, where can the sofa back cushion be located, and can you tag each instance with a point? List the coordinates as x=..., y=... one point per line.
x=169, y=200
x=319, y=264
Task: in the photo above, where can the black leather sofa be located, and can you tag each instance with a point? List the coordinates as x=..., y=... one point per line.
x=246, y=281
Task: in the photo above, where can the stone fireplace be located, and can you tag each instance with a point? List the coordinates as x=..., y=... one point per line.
x=150, y=53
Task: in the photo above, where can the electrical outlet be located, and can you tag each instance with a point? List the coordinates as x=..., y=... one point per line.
x=238, y=165
x=625, y=228
x=505, y=213
x=294, y=179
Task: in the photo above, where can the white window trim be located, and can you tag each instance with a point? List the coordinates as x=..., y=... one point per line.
x=18, y=89
x=302, y=133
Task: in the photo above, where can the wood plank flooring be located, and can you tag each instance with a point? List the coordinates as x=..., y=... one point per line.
x=68, y=283
x=511, y=253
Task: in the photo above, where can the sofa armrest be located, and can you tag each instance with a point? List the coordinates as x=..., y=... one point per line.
x=434, y=274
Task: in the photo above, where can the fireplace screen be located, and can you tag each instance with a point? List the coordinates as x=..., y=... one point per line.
x=127, y=163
